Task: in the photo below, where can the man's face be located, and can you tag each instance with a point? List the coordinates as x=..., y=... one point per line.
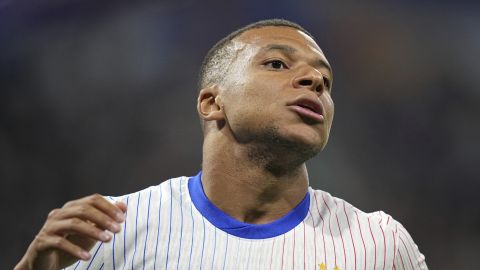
x=280, y=82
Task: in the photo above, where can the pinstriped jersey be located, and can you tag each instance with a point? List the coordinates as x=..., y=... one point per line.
x=175, y=226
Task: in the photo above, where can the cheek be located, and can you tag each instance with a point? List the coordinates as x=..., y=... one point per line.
x=329, y=106
x=255, y=98
x=251, y=112
x=332, y=111
x=259, y=96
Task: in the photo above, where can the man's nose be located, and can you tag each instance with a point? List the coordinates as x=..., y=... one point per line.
x=311, y=79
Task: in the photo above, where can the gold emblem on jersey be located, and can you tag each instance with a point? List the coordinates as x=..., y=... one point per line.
x=322, y=266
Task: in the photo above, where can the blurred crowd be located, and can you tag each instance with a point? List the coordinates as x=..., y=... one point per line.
x=100, y=97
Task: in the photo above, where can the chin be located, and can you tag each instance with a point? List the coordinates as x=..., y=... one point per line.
x=302, y=140
x=286, y=148
x=308, y=137
x=304, y=145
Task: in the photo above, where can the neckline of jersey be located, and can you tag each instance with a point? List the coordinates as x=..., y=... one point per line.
x=237, y=228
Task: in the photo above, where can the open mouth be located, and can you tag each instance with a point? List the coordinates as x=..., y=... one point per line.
x=308, y=108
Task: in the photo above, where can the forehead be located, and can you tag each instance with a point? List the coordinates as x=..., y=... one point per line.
x=265, y=36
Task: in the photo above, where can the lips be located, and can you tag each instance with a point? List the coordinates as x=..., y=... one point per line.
x=309, y=108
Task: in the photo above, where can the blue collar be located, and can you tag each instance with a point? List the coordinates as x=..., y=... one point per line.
x=232, y=226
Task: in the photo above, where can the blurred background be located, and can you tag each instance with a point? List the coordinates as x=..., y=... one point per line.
x=99, y=96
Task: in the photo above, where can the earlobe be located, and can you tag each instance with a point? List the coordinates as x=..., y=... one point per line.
x=209, y=104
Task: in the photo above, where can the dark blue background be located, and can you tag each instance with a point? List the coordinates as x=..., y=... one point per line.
x=99, y=96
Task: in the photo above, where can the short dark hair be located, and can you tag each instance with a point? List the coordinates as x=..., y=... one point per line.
x=218, y=57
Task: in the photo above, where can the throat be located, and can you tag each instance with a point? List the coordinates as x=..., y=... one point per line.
x=254, y=198
x=275, y=163
x=254, y=183
x=257, y=216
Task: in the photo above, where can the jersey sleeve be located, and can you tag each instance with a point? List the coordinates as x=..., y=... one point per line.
x=408, y=255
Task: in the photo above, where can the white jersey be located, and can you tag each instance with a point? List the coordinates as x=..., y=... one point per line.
x=175, y=226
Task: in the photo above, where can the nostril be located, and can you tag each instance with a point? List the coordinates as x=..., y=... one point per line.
x=305, y=82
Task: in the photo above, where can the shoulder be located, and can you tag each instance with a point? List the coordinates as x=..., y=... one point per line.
x=336, y=211
x=328, y=205
x=375, y=232
x=169, y=188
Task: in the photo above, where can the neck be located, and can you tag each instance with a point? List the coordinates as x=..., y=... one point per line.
x=249, y=186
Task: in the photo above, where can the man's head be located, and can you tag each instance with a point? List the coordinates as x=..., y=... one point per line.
x=219, y=57
x=268, y=84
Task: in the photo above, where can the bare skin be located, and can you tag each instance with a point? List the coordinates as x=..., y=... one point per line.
x=245, y=174
x=71, y=231
x=257, y=138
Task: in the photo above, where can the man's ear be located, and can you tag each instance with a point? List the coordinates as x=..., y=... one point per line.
x=209, y=104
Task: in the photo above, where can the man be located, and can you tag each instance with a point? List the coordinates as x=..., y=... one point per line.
x=265, y=106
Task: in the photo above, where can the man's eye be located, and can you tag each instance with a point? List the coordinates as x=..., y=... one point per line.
x=276, y=64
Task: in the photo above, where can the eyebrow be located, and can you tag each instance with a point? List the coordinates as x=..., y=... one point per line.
x=291, y=50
